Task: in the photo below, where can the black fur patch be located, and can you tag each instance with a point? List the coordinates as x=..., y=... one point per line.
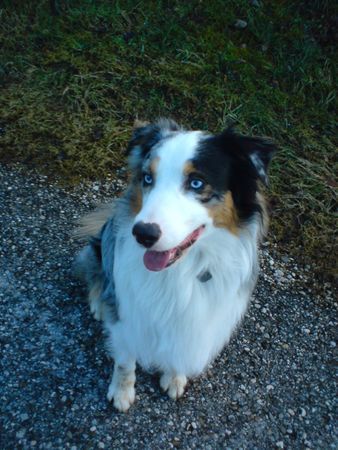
x=144, y=137
x=95, y=243
x=148, y=136
x=228, y=163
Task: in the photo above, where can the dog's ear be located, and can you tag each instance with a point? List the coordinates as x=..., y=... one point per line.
x=146, y=135
x=255, y=151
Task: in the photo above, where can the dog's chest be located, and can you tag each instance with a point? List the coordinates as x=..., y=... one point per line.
x=181, y=314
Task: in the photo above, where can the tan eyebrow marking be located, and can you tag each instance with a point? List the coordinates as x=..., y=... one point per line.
x=189, y=168
x=154, y=165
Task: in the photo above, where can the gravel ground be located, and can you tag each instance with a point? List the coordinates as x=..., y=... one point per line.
x=272, y=387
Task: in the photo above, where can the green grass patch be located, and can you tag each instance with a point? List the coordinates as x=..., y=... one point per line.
x=75, y=74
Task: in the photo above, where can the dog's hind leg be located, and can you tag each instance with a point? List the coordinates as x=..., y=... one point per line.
x=97, y=306
x=173, y=384
x=88, y=267
x=122, y=386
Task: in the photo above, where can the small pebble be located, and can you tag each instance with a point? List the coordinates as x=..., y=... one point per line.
x=240, y=24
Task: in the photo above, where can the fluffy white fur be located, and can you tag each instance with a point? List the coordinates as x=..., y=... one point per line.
x=170, y=321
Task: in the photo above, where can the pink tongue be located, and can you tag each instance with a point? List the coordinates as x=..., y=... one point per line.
x=156, y=261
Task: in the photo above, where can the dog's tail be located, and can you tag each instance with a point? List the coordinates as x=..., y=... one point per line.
x=91, y=224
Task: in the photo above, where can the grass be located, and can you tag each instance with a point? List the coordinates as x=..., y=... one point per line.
x=75, y=74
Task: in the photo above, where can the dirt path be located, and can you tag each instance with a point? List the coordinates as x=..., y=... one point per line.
x=271, y=388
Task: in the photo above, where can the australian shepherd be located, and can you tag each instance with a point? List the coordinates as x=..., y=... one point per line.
x=171, y=267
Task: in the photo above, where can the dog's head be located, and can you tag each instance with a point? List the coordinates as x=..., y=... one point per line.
x=186, y=183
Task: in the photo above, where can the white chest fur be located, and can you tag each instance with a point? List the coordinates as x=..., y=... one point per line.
x=170, y=320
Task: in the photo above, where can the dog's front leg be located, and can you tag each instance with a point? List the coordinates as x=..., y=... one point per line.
x=173, y=384
x=121, y=388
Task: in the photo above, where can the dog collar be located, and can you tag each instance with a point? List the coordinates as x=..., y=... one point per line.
x=204, y=276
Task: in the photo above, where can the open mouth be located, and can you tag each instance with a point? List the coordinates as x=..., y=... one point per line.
x=157, y=261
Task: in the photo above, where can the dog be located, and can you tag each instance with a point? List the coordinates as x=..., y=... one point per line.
x=171, y=265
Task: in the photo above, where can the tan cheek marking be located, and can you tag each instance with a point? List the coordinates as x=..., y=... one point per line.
x=224, y=214
x=206, y=193
x=265, y=217
x=136, y=191
x=136, y=198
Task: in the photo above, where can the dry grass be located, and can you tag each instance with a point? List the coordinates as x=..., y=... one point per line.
x=73, y=82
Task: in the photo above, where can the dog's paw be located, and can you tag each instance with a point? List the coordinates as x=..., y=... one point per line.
x=173, y=384
x=123, y=397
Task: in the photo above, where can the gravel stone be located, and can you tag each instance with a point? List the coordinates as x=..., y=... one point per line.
x=273, y=386
x=241, y=24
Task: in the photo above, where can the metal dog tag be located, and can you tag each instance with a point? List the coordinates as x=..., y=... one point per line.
x=204, y=276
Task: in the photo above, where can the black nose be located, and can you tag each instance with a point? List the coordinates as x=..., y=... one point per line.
x=146, y=233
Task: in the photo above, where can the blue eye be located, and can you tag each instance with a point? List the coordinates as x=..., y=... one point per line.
x=148, y=179
x=196, y=184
